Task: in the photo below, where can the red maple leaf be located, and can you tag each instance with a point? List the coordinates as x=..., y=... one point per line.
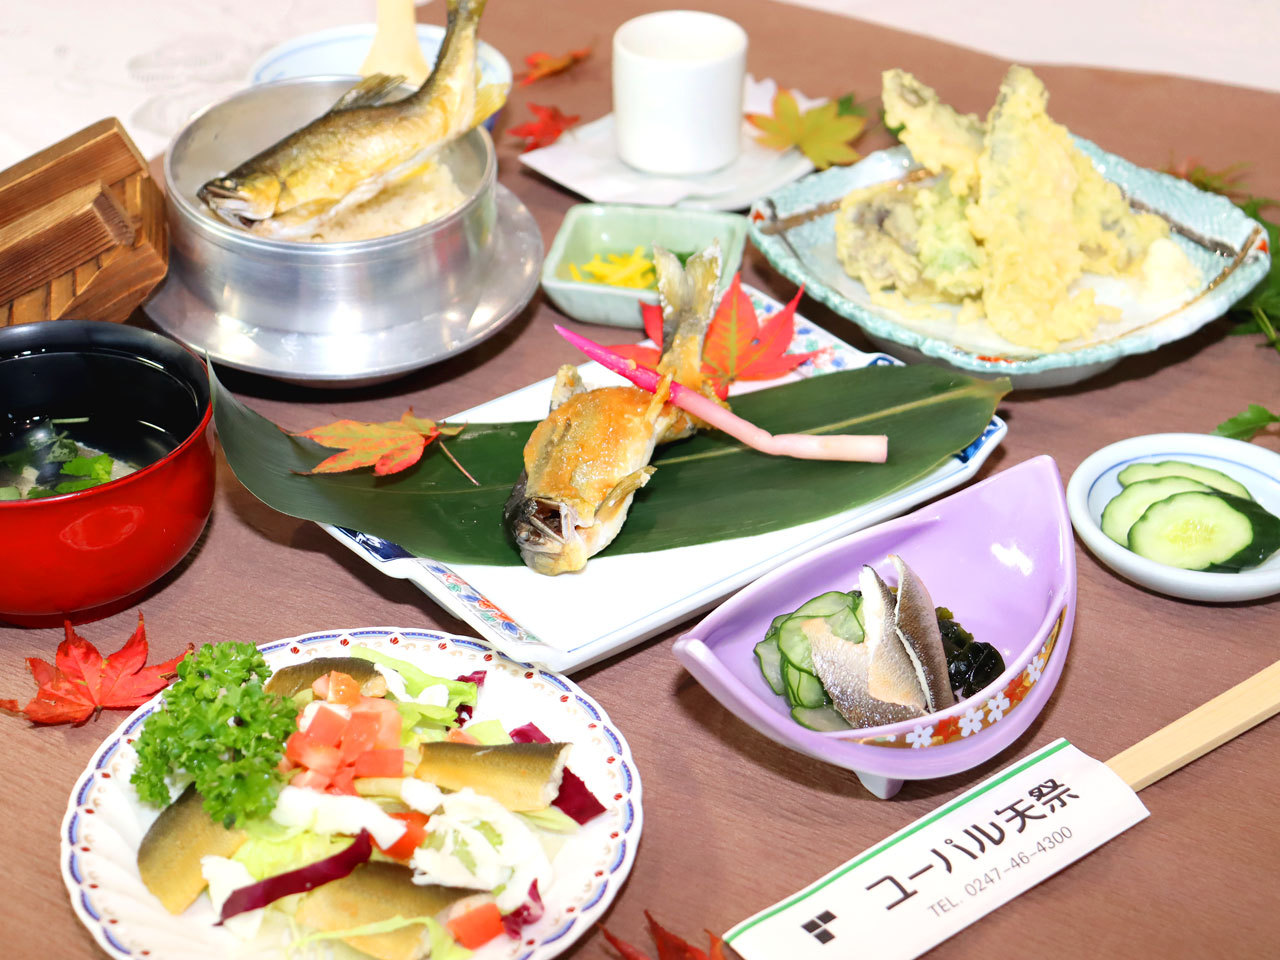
x=737, y=347
x=670, y=947
x=545, y=130
x=388, y=447
x=545, y=65
x=81, y=682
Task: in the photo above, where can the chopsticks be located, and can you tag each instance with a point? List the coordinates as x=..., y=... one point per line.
x=1205, y=728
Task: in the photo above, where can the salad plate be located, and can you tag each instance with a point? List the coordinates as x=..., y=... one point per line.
x=1096, y=481
x=795, y=229
x=567, y=622
x=105, y=821
x=998, y=554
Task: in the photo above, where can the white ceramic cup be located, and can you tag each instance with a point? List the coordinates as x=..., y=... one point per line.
x=677, y=91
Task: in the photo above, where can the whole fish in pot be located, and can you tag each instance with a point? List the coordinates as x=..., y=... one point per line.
x=362, y=145
x=584, y=463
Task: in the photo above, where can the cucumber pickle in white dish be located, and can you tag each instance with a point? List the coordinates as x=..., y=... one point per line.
x=105, y=821
x=1096, y=483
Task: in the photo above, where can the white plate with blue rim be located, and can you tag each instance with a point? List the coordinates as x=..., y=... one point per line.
x=620, y=600
x=1096, y=481
x=105, y=821
x=794, y=228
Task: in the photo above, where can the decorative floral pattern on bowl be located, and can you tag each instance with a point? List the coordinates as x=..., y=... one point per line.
x=105, y=821
x=999, y=554
x=508, y=605
x=1229, y=249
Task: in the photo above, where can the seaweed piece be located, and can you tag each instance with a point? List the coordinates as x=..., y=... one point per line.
x=971, y=664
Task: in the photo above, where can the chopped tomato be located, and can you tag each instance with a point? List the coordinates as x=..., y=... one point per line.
x=389, y=722
x=380, y=763
x=415, y=832
x=293, y=746
x=458, y=735
x=327, y=726
x=360, y=737
x=343, y=689
x=319, y=757
x=310, y=779
x=343, y=782
x=477, y=926
x=320, y=687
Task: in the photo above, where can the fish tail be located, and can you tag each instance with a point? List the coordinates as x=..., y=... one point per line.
x=687, y=295
x=461, y=23
x=489, y=100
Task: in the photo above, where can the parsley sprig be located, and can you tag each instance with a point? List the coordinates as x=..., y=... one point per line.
x=219, y=727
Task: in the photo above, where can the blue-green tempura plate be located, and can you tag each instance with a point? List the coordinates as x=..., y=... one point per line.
x=794, y=228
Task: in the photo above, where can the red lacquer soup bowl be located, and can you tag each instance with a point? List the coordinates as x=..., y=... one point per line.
x=97, y=387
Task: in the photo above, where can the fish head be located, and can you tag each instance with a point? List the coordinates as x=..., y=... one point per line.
x=241, y=200
x=547, y=535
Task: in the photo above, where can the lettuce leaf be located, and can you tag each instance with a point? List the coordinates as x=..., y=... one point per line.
x=417, y=680
x=273, y=849
x=443, y=946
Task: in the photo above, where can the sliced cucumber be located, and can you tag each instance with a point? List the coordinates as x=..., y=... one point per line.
x=770, y=659
x=825, y=604
x=834, y=607
x=802, y=689
x=1136, y=472
x=824, y=719
x=794, y=645
x=1130, y=503
x=1205, y=531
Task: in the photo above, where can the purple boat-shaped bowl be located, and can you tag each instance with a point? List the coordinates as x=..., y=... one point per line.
x=999, y=555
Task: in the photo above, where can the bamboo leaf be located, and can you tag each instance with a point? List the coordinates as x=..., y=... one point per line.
x=706, y=488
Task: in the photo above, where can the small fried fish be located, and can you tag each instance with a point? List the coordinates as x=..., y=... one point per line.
x=520, y=776
x=297, y=677
x=169, y=856
x=293, y=188
x=584, y=463
x=377, y=892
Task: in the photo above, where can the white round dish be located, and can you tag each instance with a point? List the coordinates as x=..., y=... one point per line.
x=341, y=50
x=1094, y=483
x=105, y=821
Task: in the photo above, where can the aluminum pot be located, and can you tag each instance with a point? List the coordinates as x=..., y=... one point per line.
x=320, y=288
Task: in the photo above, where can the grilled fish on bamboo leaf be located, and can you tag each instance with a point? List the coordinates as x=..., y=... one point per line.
x=584, y=463
x=520, y=776
x=363, y=144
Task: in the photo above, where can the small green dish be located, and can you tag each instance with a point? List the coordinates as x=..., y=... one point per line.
x=604, y=228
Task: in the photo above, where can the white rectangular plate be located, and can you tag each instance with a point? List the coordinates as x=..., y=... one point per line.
x=567, y=622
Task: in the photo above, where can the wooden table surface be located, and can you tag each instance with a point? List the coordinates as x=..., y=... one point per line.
x=734, y=822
